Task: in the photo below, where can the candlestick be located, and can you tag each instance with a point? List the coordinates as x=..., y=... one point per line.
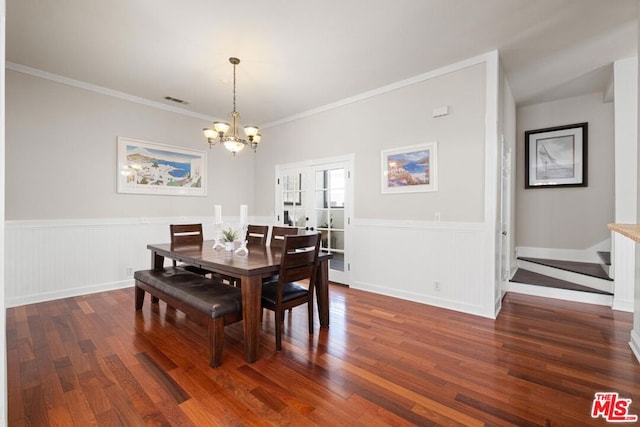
x=218, y=214
x=243, y=215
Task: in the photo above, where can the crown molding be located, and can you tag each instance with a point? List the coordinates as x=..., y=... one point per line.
x=103, y=90
x=388, y=88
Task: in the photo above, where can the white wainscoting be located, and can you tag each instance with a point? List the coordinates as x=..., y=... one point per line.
x=48, y=260
x=404, y=259
x=53, y=259
x=624, y=266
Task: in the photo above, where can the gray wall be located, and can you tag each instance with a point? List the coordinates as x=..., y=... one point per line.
x=61, y=155
x=392, y=119
x=568, y=218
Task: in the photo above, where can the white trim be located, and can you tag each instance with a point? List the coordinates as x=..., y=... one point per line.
x=68, y=293
x=562, y=294
x=451, y=68
x=445, y=303
x=434, y=225
x=635, y=344
x=315, y=162
x=491, y=180
x=96, y=222
x=104, y=91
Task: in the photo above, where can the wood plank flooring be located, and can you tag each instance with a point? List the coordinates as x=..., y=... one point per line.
x=92, y=360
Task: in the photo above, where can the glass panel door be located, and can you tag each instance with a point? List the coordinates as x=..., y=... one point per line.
x=318, y=197
x=329, y=215
x=293, y=198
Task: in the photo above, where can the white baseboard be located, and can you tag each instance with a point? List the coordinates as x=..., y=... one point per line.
x=635, y=344
x=68, y=293
x=422, y=298
x=623, y=305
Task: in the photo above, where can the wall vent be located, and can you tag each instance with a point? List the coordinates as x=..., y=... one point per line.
x=178, y=100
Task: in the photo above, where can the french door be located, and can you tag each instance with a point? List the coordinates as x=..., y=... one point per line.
x=317, y=196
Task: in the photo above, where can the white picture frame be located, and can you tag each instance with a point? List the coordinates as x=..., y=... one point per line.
x=410, y=169
x=150, y=168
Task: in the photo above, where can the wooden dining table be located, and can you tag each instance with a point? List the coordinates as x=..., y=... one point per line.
x=250, y=269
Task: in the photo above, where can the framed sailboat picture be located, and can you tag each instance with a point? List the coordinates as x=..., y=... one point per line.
x=556, y=156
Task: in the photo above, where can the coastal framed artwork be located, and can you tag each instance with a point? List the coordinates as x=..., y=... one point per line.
x=410, y=169
x=556, y=156
x=150, y=168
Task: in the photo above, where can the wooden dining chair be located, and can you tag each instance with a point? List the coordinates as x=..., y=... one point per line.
x=277, y=240
x=278, y=233
x=187, y=235
x=257, y=235
x=299, y=260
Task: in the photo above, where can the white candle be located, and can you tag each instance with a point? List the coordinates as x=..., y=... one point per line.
x=218, y=214
x=243, y=215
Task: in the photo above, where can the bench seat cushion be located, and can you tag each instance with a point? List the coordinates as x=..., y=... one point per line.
x=205, y=295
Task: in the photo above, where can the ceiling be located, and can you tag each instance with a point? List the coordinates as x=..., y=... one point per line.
x=301, y=55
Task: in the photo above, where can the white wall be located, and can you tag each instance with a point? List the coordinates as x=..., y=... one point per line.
x=61, y=155
x=62, y=208
x=398, y=248
x=635, y=332
x=573, y=218
x=625, y=79
x=396, y=118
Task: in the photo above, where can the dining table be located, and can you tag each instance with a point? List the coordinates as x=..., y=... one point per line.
x=250, y=268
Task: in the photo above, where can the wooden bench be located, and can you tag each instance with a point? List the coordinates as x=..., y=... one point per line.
x=205, y=300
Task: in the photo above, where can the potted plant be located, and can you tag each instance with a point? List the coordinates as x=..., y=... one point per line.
x=229, y=236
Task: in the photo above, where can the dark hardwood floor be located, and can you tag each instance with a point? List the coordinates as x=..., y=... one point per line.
x=92, y=360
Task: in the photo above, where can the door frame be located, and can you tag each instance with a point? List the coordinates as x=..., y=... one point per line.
x=348, y=160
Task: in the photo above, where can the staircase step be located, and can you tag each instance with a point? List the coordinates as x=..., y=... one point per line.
x=531, y=278
x=585, y=268
x=605, y=257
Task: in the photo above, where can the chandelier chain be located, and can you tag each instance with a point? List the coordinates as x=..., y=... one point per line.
x=234, y=88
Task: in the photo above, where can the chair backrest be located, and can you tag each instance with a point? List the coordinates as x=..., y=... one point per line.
x=278, y=233
x=257, y=235
x=299, y=259
x=186, y=234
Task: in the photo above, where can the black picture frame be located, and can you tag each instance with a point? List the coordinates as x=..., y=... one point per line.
x=556, y=156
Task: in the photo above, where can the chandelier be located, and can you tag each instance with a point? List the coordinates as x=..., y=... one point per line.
x=232, y=141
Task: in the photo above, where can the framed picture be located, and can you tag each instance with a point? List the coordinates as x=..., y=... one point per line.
x=556, y=157
x=410, y=169
x=150, y=168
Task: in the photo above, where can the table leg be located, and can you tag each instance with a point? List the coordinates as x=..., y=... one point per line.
x=157, y=261
x=251, y=310
x=322, y=292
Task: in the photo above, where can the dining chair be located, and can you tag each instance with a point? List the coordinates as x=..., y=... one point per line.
x=299, y=261
x=278, y=233
x=187, y=235
x=257, y=235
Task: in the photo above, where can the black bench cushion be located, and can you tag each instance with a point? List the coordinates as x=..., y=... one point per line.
x=206, y=295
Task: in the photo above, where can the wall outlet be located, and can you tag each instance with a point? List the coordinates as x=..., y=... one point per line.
x=129, y=271
x=436, y=286
x=436, y=216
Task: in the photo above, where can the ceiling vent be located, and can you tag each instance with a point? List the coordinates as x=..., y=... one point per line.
x=177, y=100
